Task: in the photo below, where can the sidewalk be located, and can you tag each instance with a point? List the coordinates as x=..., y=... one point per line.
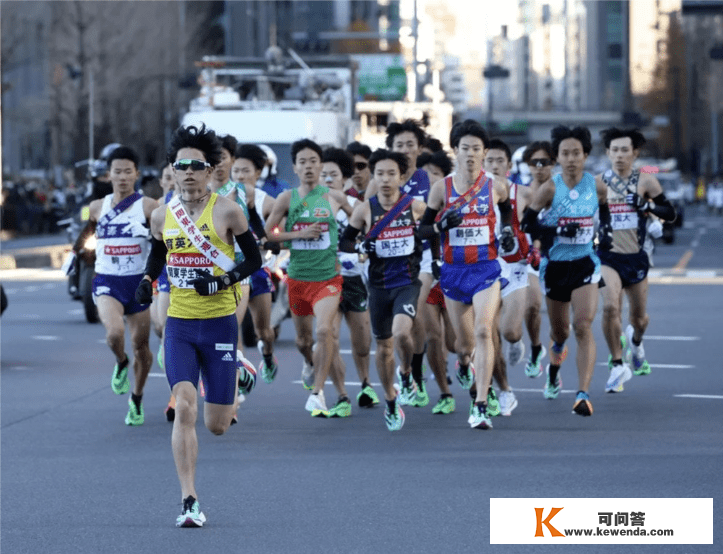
x=33, y=252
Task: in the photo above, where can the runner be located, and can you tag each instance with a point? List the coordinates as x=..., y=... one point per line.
x=362, y=175
x=313, y=275
x=120, y=222
x=201, y=328
x=514, y=295
x=540, y=158
x=395, y=252
x=440, y=335
x=338, y=165
x=571, y=269
x=470, y=273
x=625, y=263
x=248, y=164
x=269, y=181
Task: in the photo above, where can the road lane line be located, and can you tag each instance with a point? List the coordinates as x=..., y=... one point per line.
x=684, y=259
x=661, y=366
x=711, y=396
x=45, y=337
x=663, y=337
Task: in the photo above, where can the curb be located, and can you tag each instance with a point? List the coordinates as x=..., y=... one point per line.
x=38, y=257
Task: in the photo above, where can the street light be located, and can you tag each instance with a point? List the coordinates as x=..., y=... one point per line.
x=492, y=72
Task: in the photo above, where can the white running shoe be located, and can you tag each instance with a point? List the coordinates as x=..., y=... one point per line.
x=508, y=402
x=618, y=375
x=316, y=404
x=636, y=351
x=515, y=352
x=307, y=376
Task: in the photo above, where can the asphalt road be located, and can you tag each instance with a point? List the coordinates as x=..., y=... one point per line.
x=76, y=479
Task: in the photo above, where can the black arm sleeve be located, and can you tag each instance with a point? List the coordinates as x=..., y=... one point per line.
x=156, y=259
x=530, y=224
x=663, y=208
x=348, y=239
x=435, y=243
x=604, y=214
x=255, y=223
x=505, y=212
x=426, y=225
x=252, y=257
x=87, y=231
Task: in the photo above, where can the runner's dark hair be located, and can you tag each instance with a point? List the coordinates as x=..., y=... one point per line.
x=203, y=139
x=467, y=127
x=230, y=143
x=609, y=135
x=499, y=144
x=299, y=145
x=406, y=126
x=433, y=144
x=383, y=154
x=123, y=153
x=440, y=159
x=356, y=148
x=341, y=158
x=537, y=146
x=582, y=134
x=252, y=153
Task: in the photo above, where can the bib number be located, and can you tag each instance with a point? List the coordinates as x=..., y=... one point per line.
x=469, y=236
x=623, y=217
x=182, y=268
x=584, y=233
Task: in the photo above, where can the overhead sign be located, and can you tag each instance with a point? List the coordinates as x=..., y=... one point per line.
x=381, y=77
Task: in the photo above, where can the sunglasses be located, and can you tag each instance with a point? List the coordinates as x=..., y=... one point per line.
x=195, y=165
x=540, y=162
x=360, y=166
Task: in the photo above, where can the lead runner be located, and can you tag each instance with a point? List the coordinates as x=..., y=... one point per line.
x=194, y=236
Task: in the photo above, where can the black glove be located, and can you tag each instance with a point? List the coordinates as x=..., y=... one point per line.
x=273, y=247
x=206, y=284
x=637, y=201
x=507, y=239
x=368, y=246
x=450, y=219
x=569, y=230
x=144, y=292
x=605, y=237
x=436, y=269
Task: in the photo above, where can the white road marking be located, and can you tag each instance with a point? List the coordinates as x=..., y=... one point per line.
x=29, y=274
x=662, y=337
x=45, y=337
x=100, y=341
x=348, y=383
x=156, y=375
x=371, y=352
x=712, y=396
x=78, y=311
x=31, y=288
x=662, y=366
x=20, y=368
x=29, y=316
x=11, y=291
x=539, y=391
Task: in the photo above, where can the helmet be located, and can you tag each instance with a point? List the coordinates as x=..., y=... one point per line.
x=106, y=152
x=520, y=170
x=271, y=155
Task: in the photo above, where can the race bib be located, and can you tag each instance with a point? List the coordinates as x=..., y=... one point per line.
x=584, y=233
x=472, y=232
x=394, y=242
x=623, y=216
x=182, y=268
x=322, y=243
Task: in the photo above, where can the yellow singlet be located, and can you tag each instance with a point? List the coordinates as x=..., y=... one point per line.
x=182, y=262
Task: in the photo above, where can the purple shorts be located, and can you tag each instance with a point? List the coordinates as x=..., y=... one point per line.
x=122, y=288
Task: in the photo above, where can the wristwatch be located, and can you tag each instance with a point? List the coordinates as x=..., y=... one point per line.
x=226, y=280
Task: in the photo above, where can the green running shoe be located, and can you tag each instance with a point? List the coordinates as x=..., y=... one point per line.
x=479, y=418
x=134, y=416
x=192, y=515
x=551, y=391
x=119, y=382
x=465, y=377
x=445, y=405
x=268, y=373
x=367, y=397
x=420, y=398
x=341, y=409
x=493, y=405
x=626, y=353
x=159, y=357
x=394, y=420
x=534, y=369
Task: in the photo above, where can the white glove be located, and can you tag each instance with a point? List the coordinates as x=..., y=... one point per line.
x=136, y=229
x=655, y=229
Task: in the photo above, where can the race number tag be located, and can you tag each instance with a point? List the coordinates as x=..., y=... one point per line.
x=394, y=242
x=473, y=232
x=584, y=233
x=322, y=243
x=623, y=216
x=182, y=268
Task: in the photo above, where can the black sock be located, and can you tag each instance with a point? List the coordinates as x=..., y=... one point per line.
x=446, y=395
x=636, y=342
x=481, y=405
x=406, y=380
x=365, y=384
x=536, y=353
x=188, y=503
x=618, y=362
x=269, y=360
x=473, y=393
x=417, y=360
x=391, y=405
x=137, y=400
x=123, y=364
x=343, y=398
x=553, y=373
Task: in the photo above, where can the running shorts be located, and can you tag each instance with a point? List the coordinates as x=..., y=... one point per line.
x=122, y=288
x=384, y=304
x=205, y=347
x=353, y=295
x=304, y=294
x=261, y=283
x=436, y=297
x=517, y=276
x=632, y=268
x=425, y=265
x=560, y=278
x=462, y=282
x=163, y=284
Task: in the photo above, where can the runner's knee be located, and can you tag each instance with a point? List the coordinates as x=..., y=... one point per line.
x=582, y=327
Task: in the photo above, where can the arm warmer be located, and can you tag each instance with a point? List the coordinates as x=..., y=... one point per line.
x=530, y=224
x=87, y=231
x=156, y=259
x=604, y=214
x=505, y=212
x=663, y=208
x=256, y=225
x=252, y=257
x=348, y=239
x=426, y=225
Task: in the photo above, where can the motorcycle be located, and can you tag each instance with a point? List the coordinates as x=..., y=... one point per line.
x=80, y=266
